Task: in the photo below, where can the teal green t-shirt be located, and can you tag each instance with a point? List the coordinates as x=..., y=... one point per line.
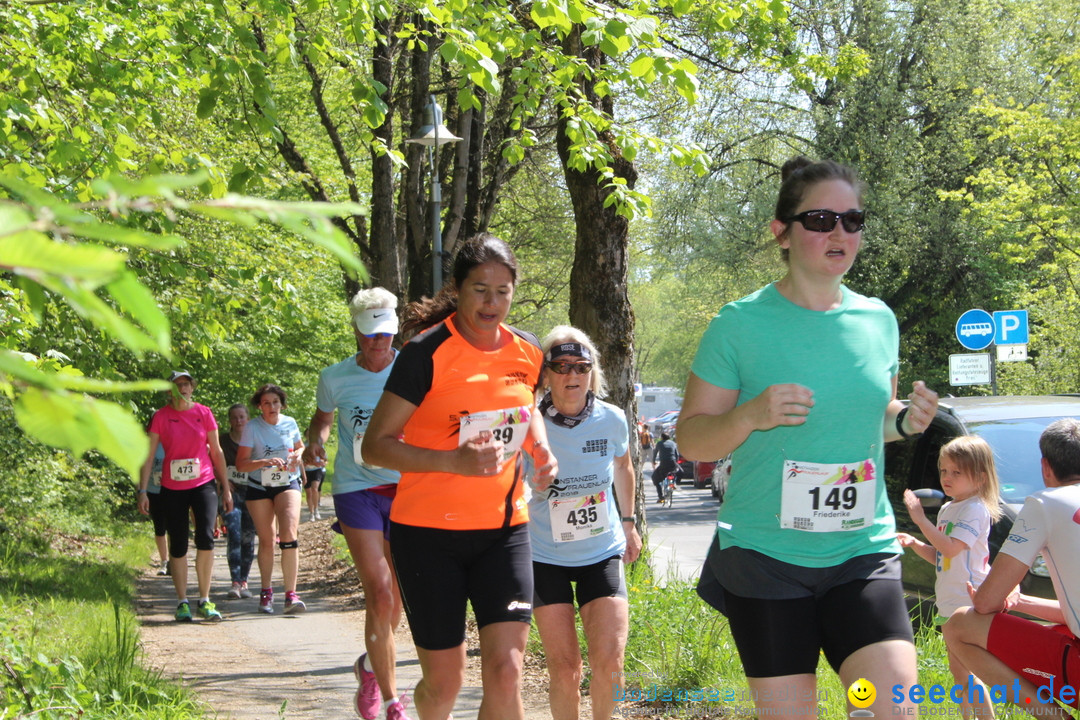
x=847, y=356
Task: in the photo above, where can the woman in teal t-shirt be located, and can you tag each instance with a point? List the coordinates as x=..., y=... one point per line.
x=798, y=382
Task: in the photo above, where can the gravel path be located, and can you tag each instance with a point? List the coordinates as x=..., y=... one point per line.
x=260, y=667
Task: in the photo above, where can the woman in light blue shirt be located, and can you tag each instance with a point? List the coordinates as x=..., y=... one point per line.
x=581, y=526
x=270, y=449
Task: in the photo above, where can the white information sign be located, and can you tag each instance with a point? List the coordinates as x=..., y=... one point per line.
x=969, y=369
x=1011, y=353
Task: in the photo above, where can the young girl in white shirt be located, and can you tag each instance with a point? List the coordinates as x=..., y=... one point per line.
x=958, y=545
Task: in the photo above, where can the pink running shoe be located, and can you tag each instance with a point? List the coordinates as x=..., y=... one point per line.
x=266, y=601
x=367, y=696
x=293, y=604
x=396, y=711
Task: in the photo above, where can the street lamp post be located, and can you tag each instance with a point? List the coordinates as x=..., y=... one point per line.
x=433, y=134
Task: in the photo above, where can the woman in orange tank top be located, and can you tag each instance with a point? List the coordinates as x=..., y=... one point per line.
x=456, y=418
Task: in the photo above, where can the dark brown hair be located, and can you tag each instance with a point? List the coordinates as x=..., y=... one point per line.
x=1060, y=445
x=477, y=250
x=267, y=388
x=799, y=174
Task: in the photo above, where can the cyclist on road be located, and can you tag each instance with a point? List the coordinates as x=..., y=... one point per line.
x=667, y=461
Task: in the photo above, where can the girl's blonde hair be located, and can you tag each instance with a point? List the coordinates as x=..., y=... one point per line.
x=974, y=456
x=567, y=333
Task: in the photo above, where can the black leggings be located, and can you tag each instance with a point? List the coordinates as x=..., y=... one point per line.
x=203, y=502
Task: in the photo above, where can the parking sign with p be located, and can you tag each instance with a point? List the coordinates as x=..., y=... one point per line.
x=1011, y=327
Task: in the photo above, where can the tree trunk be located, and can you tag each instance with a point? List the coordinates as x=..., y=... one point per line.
x=599, y=299
x=414, y=196
x=386, y=269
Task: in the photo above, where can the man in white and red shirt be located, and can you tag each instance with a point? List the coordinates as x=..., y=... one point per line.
x=1000, y=648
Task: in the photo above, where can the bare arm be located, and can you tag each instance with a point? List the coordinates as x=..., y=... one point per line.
x=142, y=501
x=948, y=546
x=712, y=424
x=922, y=407
x=382, y=446
x=625, y=485
x=1044, y=608
x=1005, y=574
x=218, y=458
x=546, y=464
x=244, y=463
x=317, y=433
x=926, y=552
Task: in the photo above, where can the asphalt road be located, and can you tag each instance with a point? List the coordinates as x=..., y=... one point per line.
x=679, y=536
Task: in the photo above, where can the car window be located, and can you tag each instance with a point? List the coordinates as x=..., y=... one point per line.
x=1016, y=454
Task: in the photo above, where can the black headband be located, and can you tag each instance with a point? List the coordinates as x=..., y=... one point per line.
x=569, y=348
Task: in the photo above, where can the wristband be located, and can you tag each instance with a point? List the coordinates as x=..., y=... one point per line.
x=900, y=424
x=140, y=491
x=630, y=518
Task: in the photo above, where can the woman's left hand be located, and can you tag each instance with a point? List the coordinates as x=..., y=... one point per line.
x=922, y=407
x=547, y=467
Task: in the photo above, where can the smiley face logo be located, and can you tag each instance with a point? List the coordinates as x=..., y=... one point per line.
x=861, y=694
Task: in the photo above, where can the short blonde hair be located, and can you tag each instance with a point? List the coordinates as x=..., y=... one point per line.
x=370, y=299
x=567, y=333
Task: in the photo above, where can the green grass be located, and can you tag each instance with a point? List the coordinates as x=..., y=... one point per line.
x=678, y=643
x=69, y=644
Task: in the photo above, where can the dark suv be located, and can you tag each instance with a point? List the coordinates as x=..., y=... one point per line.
x=1011, y=425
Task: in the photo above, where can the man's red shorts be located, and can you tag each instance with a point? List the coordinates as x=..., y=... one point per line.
x=1046, y=655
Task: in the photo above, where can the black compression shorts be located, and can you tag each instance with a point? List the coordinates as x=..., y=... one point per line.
x=600, y=579
x=439, y=570
x=785, y=637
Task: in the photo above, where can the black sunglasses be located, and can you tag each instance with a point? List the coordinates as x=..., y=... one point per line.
x=564, y=368
x=825, y=220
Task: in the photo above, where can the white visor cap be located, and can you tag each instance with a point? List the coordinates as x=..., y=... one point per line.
x=376, y=320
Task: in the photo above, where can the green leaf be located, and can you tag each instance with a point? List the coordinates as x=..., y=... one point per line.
x=78, y=423
x=22, y=366
x=153, y=185
x=57, y=419
x=239, y=179
x=208, y=98
x=81, y=383
x=124, y=236
x=644, y=67
x=92, y=308
x=32, y=253
x=137, y=301
x=120, y=436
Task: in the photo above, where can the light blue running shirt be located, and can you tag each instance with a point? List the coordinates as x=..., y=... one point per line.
x=353, y=392
x=580, y=502
x=270, y=441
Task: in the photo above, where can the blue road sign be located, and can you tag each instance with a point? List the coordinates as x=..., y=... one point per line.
x=975, y=329
x=1011, y=327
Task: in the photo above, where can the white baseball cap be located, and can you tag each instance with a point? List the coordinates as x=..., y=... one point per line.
x=374, y=321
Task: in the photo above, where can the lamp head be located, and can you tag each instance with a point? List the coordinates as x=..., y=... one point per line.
x=433, y=131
